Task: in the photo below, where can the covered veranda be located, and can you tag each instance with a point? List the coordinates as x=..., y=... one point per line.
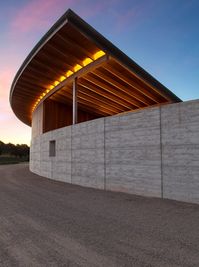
x=77, y=75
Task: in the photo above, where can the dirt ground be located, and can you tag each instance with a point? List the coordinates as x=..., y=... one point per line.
x=49, y=223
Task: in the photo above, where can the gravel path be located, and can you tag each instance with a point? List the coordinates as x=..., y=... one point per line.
x=49, y=223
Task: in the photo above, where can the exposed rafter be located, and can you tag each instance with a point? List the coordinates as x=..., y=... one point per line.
x=109, y=81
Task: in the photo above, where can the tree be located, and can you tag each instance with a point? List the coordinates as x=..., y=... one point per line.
x=20, y=151
x=2, y=147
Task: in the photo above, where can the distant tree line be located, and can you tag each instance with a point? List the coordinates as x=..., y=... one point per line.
x=19, y=151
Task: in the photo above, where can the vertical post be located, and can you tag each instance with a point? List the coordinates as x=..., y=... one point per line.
x=75, y=100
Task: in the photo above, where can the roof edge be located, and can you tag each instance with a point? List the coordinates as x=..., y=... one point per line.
x=111, y=49
x=99, y=40
x=63, y=19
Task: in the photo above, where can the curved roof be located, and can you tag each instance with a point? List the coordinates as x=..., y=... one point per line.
x=109, y=81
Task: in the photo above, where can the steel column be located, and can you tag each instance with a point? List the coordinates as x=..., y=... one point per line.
x=75, y=89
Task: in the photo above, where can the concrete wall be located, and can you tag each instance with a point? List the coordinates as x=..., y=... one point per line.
x=133, y=162
x=151, y=152
x=180, y=151
x=58, y=167
x=37, y=121
x=88, y=154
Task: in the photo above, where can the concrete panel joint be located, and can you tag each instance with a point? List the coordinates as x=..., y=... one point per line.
x=151, y=152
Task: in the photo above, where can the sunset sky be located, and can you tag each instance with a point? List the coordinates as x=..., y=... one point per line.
x=162, y=36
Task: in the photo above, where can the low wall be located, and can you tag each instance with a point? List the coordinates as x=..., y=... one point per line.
x=180, y=151
x=151, y=152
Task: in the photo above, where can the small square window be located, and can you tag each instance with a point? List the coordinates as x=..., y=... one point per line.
x=52, y=148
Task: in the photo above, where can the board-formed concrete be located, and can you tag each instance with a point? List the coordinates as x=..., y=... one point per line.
x=37, y=121
x=88, y=153
x=133, y=162
x=61, y=163
x=46, y=162
x=151, y=152
x=58, y=167
x=180, y=151
x=35, y=155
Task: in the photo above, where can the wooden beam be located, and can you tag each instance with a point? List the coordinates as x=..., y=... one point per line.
x=28, y=84
x=101, y=98
x=55, y=61
x=78, y=47
x=35, y=89
x=24, y=97
x=133, y=84
x=140, y=98
x=104, y=93
x=100, y=61
x=99, y=102
x=35, y=72
x=68, y=55
x=112, y=90
x=84, y=101
x=47, y=67
x=38, y=80
x=60, y=98
x=89, y=103
x=70, y=52
x=63, y=55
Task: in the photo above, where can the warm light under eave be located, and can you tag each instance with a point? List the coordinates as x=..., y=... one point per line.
x=62, y=78
x=69, y=73
x=98, y=54
x=76, y=68
x=87, y=61
x=56, y=83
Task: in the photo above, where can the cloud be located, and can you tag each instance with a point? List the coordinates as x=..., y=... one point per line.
x=36, y=15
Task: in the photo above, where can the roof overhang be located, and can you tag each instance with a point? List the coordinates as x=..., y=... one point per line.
x=109, y=82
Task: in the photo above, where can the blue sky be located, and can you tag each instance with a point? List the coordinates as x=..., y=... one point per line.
x=161, y=36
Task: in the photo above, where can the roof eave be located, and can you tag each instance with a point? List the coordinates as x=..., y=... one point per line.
x=101, y=42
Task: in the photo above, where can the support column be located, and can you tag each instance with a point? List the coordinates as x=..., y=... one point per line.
x=75, y=89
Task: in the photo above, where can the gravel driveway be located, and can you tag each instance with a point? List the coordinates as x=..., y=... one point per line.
x=49, y=223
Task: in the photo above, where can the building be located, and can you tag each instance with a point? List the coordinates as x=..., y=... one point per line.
x=100, y=120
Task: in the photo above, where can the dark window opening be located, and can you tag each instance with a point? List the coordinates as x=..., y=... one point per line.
x=52, y=148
